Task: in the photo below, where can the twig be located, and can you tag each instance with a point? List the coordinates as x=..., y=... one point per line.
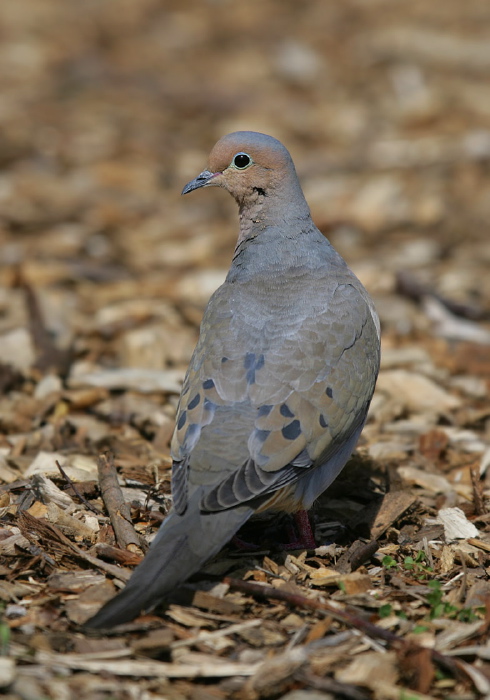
x=28, y=523
x=77, y=493
x=122, y=556
x=329, y=685
x=198, y=667
x=331, y=608
x=209, y=636
x=20, y=484
x=481, y=544
x=118, y=509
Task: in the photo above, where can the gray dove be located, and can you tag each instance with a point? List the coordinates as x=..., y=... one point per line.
x=280, y=382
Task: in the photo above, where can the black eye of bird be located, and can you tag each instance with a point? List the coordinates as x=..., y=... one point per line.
x=241, y=161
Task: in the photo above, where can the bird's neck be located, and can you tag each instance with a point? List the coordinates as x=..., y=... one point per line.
x=285, y=209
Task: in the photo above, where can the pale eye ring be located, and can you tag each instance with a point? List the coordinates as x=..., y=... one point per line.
x=242, y=161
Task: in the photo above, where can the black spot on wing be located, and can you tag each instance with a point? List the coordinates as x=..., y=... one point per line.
x=323, y=421
x=264, y=410
x=249, y=360
x=249, y=364
x=286, y=411
x=208, y=384
x=182, y=420
x=329, y=392
x=292, y=430
x=252, y=364
x=195, y=402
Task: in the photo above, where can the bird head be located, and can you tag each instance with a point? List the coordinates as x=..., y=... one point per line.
x=248, y=165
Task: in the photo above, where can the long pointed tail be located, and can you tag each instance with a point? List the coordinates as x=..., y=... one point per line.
x=181, y=546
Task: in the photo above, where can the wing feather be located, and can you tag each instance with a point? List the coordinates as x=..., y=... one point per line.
x=304, y=392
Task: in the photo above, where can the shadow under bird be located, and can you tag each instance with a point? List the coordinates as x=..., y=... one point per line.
x=280, y=382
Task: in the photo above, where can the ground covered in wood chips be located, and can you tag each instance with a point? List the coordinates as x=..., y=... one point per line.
x=106, y=110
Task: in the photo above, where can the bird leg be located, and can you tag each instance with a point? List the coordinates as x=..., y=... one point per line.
x=302, y=536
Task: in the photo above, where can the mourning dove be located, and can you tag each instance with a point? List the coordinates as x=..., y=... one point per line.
x=280, y=382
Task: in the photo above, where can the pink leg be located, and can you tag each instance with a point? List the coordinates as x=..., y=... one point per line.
x=303, y=538
x=300, y=535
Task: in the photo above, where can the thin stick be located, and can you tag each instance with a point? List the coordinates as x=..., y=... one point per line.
x=329, y=685
x=348, y=618
x=118, y=509
x=121, y=556
x=28, y=524
x=77, y=493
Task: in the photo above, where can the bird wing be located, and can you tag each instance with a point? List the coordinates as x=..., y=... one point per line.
x=305, y=390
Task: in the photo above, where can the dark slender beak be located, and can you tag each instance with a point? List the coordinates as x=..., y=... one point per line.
x=201, y=180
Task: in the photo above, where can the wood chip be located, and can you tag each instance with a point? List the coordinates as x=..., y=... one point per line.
x=144, y=380
x=433, y=482
x=456, y=524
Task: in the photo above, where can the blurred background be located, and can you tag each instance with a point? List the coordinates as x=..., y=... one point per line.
x=108, y=107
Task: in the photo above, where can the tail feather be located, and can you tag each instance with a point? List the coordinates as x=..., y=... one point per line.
x=182, y=545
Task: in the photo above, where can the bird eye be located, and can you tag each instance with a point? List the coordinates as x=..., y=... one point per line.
x=241, y=161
